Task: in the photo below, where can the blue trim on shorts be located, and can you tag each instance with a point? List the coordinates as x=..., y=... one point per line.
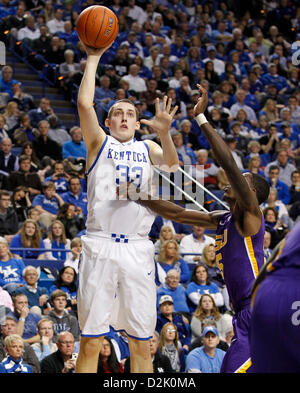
x=98, y=155
x=134, y=337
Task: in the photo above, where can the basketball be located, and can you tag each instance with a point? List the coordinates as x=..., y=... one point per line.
x=97, y=26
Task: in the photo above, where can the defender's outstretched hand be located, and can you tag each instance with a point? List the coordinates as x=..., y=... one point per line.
x=163, y=118
x=201, y=105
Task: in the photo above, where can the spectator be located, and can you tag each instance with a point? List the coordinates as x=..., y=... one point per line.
x=108, y=362
x=56, y=25
x=72, y=218
x=8, y=217
x=208, y=358
x=69, y=67
x=76, y=147
x=48, y=204
x=73, y=257
x=21, y=203
x=11, y=269
x=57, y=240
x=281, y=187
x=46, y=346
x=209, y=258
x=29, y=236
x=167, y=314
x=237, y=155
x=3, y=126
x=200, y=284
x=76, y=196
x=295, y=187
x=176, y=291
x=30, y=32
x=11, y=115
x=6, y=303
x=44, y=146
x=14, y=347
x=166, y=233
x=285, y=168
x=7, y=81
x=23, y=177
x=194, y=243
x=57, y=133
x=35, y=164
x=161, y=363
x=25, y=133
x=207, y=309
x=63, y=321
x=206, y=165
x=270, y=142
x=169, y=346
x=276, y=228
x=189, y=139
x=26, y=320
x=37, y=296
x=283, y=215
x=136, y=83
x=219, y=65
x=9, y=162
x=41, y=113
x=169, y=258
x=67, y=282
x=61, y=361
x=59, y=177
x=9, y=327
x=240, y=104
x=267, y=244
x=185, y=154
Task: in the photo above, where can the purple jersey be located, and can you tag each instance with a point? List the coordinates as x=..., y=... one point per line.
x=289, y=252
x=239, y=259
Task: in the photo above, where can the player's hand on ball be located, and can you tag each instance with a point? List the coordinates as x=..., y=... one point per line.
x=201, y=105
x=94, y=51
x=163, y=118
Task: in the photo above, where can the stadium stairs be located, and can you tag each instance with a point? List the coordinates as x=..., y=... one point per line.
x=35, y=85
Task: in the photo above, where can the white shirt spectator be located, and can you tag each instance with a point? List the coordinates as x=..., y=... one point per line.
x=55, y=26
x=25, y=32
x=189, y=244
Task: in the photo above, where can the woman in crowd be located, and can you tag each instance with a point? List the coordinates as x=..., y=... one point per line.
x=200, y=284
x=273, y=201
x=169, y=258
x=25, y=133
x=35, y=162
x=275, y=226
x=169, y=346
x=29, y=236
x=254, y=166
x=11, y=269
x=67, y=282
x=207, y=309
x=11, y=115
x=108, y=361
x=166, y=233
x=45, y=346
x=270, y=111
x=57, y=240
x=21, y=203
x=209, y=258
x=73, y=222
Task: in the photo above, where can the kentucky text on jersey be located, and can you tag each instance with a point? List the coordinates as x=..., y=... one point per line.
x=126, y=155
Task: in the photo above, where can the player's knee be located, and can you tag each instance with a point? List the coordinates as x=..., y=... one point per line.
x=90, y=346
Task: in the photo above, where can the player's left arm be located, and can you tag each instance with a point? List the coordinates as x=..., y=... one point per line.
x=165, y=156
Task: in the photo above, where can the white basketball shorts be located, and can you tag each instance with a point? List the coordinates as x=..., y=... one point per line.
x=117, y=286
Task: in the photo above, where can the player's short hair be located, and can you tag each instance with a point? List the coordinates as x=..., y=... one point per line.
x=261, y=186
x=111, y=109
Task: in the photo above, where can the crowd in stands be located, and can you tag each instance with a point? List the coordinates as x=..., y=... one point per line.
x=245, y=58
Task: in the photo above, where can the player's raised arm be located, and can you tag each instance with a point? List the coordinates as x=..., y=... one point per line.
x=93, y=134
x=245, y=196
x=166, y=155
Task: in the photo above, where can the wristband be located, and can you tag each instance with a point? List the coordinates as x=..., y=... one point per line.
x=22, y=319
x=201, y=119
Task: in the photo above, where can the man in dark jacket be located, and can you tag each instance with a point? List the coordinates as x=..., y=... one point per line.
x=44, y=146
x=8, y=217
x=61, y=361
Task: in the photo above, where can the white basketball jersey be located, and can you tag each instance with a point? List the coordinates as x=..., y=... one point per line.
x=115, y=164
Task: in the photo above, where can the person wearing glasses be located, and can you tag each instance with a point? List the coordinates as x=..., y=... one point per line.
x=64, y=359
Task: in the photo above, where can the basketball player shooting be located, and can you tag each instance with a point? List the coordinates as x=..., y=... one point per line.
x=239, y=235
x=116, y=273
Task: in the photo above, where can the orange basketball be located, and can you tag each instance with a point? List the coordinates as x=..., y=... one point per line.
x=97, y=26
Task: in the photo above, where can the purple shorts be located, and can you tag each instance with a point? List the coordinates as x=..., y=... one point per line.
x=275, y=323
x=237, y=358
